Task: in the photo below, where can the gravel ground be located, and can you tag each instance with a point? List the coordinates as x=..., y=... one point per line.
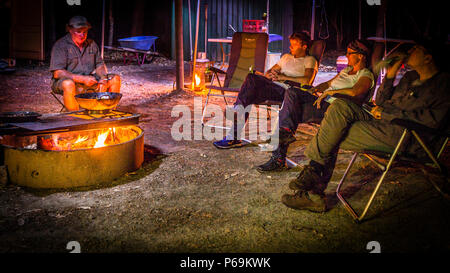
x=191, y=197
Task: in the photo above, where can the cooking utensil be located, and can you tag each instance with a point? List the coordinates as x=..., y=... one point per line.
x=18, y=116
x=98, y=100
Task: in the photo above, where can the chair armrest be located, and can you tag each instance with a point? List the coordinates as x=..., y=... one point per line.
x=412, y=125
x=217, y=70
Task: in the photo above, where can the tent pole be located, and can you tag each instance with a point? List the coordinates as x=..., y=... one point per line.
x=103, y=28
x=196, y=40
x=359, y=20
x=190, y=27
x=313, y=18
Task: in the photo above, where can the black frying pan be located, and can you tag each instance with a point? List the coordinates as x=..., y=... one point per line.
x=19, y=116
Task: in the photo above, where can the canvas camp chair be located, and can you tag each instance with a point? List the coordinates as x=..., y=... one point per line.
x=55, y=95
x=248, y=52
x=316, y=50
x=409, y=128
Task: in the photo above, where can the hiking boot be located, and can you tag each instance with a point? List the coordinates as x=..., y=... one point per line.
x=310, y=178
x=275, y=163
x=303, y=200
x=227, y=144
x=305, y=180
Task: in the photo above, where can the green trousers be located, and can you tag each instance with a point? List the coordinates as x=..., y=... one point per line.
x=347, y=126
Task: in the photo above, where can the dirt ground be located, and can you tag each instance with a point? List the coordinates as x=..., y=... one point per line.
x=191, y=197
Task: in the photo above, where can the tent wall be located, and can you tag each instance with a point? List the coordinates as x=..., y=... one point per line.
x=222, y=13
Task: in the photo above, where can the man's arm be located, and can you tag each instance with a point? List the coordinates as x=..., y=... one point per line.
x=307, y=78
x=361, y=86
x=84, y=79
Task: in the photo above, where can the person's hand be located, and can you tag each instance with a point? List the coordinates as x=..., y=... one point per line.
x=321, y=97
x=314, y=91
x=103, y=85
x=89, y=80
x=279, y=77
x=392, y=70
x=258, y=73
x=376, y=112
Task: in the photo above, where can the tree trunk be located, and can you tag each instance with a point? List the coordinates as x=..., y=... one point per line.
x=111, y=24
x=137, y=26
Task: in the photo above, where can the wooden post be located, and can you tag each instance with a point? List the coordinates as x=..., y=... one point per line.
x=111, y=24
x=179, y=44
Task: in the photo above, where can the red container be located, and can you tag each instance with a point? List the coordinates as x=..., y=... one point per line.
x=252, y=25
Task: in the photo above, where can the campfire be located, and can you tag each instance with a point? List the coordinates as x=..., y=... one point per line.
x=72, y=149
x=86, y=139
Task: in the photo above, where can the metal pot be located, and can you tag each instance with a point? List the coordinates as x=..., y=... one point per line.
x=98, y=100
x=19, y=116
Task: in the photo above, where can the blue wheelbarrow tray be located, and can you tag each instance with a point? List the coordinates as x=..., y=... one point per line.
x=139, y=42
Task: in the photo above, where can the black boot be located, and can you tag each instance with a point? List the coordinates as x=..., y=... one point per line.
x=275, y=163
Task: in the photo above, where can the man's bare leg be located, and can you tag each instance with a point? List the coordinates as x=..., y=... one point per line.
x=114, y=84
x=69, y=90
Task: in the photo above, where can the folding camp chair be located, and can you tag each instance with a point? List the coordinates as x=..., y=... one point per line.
x=63, y=108
x=248, y=52
x=316, y=50
x=410, y=127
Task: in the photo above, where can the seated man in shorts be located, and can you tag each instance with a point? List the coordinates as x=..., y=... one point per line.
x=77, y=66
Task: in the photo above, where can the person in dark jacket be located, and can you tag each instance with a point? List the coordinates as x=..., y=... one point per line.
x=422, y=95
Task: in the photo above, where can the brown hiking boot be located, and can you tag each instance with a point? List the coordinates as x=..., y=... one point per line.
x=306, y=180
x=303, y=200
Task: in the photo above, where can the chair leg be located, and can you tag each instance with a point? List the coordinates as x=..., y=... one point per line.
x=429, y=153
x=62, y=104
x=388, y=166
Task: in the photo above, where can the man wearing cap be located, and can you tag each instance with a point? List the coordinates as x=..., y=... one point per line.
x=421, y=96
x=77, y=65
x=353, y=82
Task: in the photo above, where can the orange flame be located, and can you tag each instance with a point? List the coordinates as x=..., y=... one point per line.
x=88, y=139
x=102, y=138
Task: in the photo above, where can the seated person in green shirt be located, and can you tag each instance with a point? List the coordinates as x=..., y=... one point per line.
x=421, y=96
x=77, y=66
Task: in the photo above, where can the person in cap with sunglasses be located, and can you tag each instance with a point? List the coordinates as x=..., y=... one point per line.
x=421, y=96
x=77, y=66
x=353, y=82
